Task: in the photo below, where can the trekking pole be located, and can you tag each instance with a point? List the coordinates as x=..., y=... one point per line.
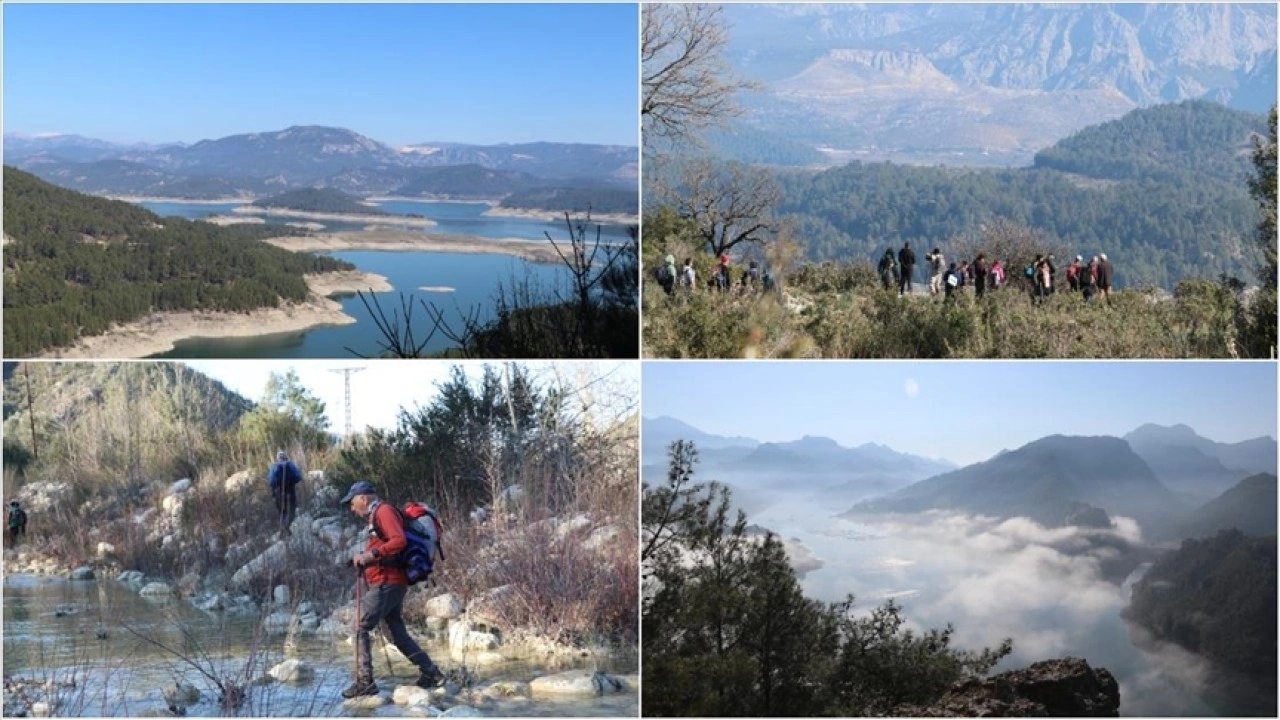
x=355, y=620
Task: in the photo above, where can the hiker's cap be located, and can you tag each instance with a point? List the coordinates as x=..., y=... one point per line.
x=362, y=487
x=1079, y=257
x=1103, y=256
x=281, y=457
x=724, y=259
x=13, y=502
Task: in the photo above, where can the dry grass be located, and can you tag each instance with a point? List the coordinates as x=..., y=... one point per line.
x=837, y=312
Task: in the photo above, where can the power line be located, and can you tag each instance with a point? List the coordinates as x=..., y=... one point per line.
x=346, y=381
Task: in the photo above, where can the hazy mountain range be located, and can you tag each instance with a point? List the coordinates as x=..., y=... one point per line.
x=810, y=464
x=314, y=157
x=1055, y=480
x=986, y=84
x=1197, y=468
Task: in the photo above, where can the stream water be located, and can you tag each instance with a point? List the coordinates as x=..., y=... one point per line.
x=52, y=629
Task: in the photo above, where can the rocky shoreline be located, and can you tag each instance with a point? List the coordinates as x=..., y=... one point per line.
x=474, y=637
x=159, y=332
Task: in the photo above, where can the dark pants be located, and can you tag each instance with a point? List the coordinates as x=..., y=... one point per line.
x=381, y=604
x=286, y=507
x=979, y=284
x=904, y=282
x=14, y=532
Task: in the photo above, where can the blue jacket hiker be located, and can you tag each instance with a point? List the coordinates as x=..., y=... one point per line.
x=283, y=478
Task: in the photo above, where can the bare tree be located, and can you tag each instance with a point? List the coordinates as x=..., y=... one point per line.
x=685, y=82
x=728, y=203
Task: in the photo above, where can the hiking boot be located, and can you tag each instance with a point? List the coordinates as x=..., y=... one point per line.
x=430, y=680
x=360, y=688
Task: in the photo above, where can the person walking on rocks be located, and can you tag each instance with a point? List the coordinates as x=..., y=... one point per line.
x=17, y=522
x=283, y=478
x=382, y=573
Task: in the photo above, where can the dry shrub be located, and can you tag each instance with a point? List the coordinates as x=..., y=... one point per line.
x=838, y=314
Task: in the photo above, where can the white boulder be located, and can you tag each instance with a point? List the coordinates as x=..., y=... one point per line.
x=446, y=606
x=292, y=671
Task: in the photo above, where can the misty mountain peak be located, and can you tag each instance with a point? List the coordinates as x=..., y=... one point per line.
x=815, y=442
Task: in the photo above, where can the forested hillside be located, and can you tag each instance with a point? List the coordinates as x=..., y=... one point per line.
x=319, y=200
x=575, y=200
x=1216, y=597
x=101, y=404
x=1163, y=191
x=76, y=264
x=1184, y=141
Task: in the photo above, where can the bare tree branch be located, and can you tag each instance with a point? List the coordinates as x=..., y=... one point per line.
x=728, y=203
x=685, y=83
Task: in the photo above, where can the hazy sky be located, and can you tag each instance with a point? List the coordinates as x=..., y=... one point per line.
x=385, y=386
x=961, y=411
x=399, y=74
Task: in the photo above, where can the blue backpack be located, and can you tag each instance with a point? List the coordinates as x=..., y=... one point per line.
x=422, y=531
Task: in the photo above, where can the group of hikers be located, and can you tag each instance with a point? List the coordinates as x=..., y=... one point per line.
x=685, y=278
x=945, y=279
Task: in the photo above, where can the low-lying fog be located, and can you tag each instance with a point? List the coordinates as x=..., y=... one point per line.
x=1044, y=587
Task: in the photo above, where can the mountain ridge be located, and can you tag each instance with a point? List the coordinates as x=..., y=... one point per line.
x=306, y=156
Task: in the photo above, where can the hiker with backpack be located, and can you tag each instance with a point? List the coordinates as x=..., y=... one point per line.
x=950, y=281
x=1073, y=273
x=689, y=276
x=907, y=263
x=382, y=572
x=1089, y=279
x=997, y=275
x=667, y=274
x=937, y=266
x=888, y=269
x=723, y=280
x=17, y=522
x=1104, y=277
x=980, y=274
x=283, y=478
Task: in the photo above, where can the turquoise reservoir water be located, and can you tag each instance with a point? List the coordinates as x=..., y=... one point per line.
x=474, y=277
x=450, y=217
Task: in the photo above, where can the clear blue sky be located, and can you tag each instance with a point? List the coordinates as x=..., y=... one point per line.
x=961, y=411
x=473, y=73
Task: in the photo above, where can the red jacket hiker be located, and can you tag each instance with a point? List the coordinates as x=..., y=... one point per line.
x=387, y=538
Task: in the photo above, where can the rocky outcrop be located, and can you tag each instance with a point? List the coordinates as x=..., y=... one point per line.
x=1052, y=688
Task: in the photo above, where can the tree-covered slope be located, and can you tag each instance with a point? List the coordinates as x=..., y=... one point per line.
x=1249, y=506
x=1199, y=139
x=575, y=200
x=1170, y=201
x=465, y=181
x=1216, y=596
x=319, y=200
x=70, y=397
x=77, y=264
